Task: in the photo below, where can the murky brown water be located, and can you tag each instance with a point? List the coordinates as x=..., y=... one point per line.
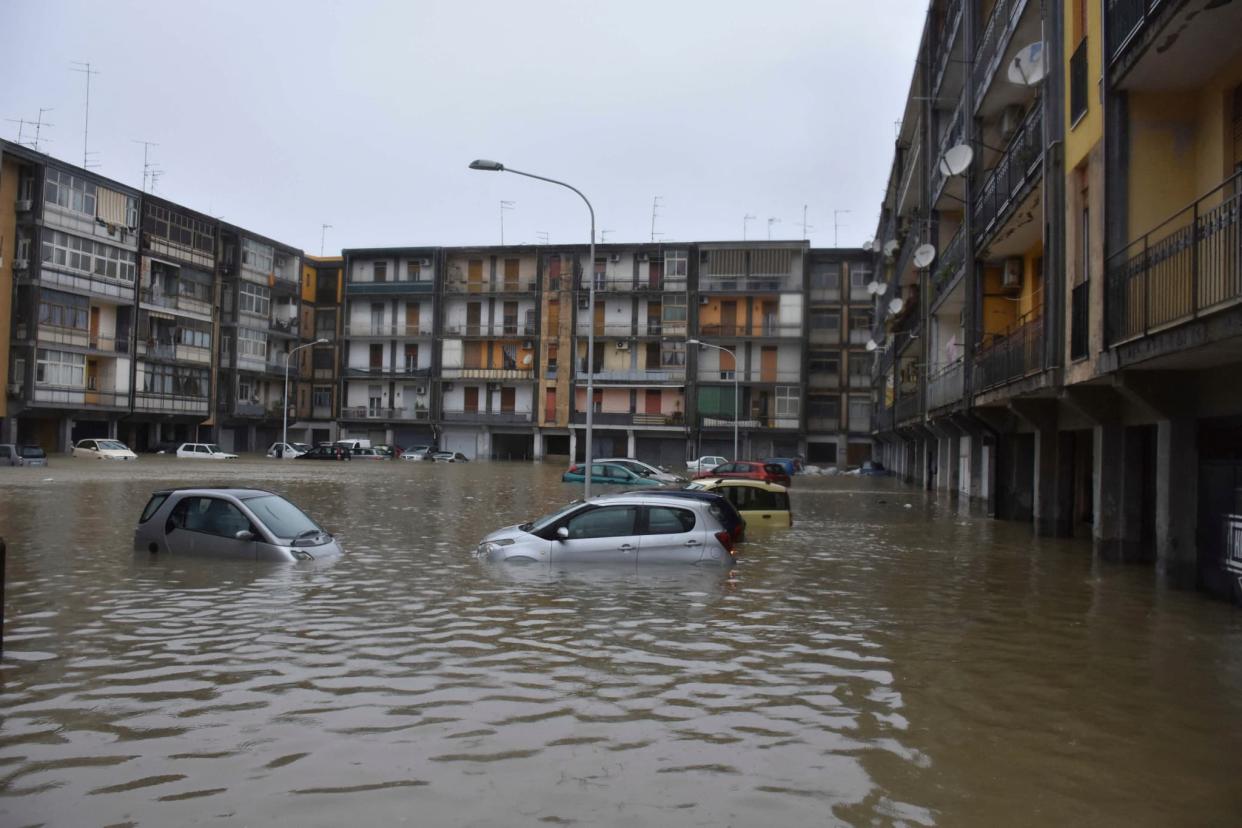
x=875, y=665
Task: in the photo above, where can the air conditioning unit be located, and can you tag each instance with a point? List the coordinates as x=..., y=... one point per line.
x=623, y=345
x=614, y=257
x=1011, y=279
x=528, y=345
x=15, y=388
x=448, y=386
x=424, y=262
x=584, y=302
x=24, y=205
x=643, y=257
x=1010, y=118
x=705, y=300
x=420, y=391
x=21, y=264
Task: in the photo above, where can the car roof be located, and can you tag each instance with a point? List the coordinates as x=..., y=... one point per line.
x=641, y=498
x=240, y=494
x=737, y=481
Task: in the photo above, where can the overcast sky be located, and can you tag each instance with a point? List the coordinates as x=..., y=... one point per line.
x=283, y=116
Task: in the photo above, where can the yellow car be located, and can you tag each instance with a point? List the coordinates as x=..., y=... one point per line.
x=759, y=503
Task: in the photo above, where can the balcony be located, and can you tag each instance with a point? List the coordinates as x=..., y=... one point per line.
x=825, y=336
x=173, y=351
x=491, y=287
x=819, y=379
x=768, y=329
x=823, y=423
x=389, y=414
x=123, y=291
x=176, y=301
x=518, y=374
x=948, y=266
x=497, y=330
x=1125, y=19
x=640, y=376
x=909, y=176
x=754, y=376
x=943, y=42
x=952, y=137
x=388, y=288
x=367, y=331
x=622, y=330
x=249, y=409
x=907, y=410
x=1011, y=356
x=945, y=386
x=1007, y=182
x=321, y=412
x=749, y=284
x=277, y=361
x=78, y=397
x=992, y=44
x=761, y=421
x=615, y=418
x=285, y=327
x=171, y=404
x=1188, y=267
x=857, y=381
x=492, y=417
x=400, y=370
x=639, y=285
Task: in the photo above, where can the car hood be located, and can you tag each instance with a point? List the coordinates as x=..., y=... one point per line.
x=513, y=532
x=124, y=454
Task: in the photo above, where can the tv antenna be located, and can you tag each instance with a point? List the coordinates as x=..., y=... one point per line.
x=156, y=175
x=603, y=236
x=772, y=221
x=504, y=205
x=148, y=167
x=38, y=124
x=85, y=69
x=746, y=219
x=323, y=233
x=836, y=225
x=655, y=203
x=542, y=235
x=805, y=226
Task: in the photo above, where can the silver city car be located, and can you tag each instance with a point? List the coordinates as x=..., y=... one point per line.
x=623, y=528
x=245, y=524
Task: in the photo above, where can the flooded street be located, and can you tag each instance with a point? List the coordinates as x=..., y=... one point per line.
x=877, y=664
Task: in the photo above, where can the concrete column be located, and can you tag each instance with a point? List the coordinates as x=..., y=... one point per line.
x=1177, y=499
x=1117, y=493
x=537, y=445
x=64, y=435
x=483, y=443
x=843, y=450
x=630, y=448
x=8, y=430
x=928, y=461
x=389, y=437
x=112, y=426
x=573, y=445
x=1054, y=483
x=252, y=438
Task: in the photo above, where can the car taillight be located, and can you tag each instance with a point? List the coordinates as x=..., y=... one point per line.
x=726, y=540
x=573, y=467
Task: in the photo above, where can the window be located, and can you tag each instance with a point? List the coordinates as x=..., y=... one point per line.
x=824, y=362
x=666, y=520
x=251, y=343
x=860, y=365
x=826, y=277
x=1084, y=265
x=672, y=354
x=63, y=310
x=553, y=352
x=70, y=191
x=826, y=320
x=381, y=271
x=674, y=310
x=860, y=274
x=173, y=380
x=860, y=320
x=259, y=257
x=321, y=359
x=321, y=396
x=156, y=501
x=180, y=229
x=254, y=299
x=245, y=390
x=675, y=265
x=209, y=515
x=87, y=256
x=60, y=368
x=607, y=522
x=860, y=413
x=413, y=272
x=788, y=401
x=823, y=407
x=194, y=337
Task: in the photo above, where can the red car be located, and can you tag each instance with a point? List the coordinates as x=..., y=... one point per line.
x=748, y=470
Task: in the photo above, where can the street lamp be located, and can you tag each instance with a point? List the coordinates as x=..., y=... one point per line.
x=736, y=403
x=496, y=166
x=284, y=439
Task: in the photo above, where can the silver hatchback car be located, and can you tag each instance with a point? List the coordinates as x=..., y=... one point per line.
x=244, y=524
x=623, y=528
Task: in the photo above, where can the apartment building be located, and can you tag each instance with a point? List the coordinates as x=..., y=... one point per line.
x=319, y=387
x=70, y=265
x=1070, y=290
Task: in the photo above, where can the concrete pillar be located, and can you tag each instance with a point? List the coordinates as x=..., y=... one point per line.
x=112, y=426
x=537, y=445
x=8, y=430
x=64, y=435
x=1177, y=499
x=630, y=447
x=987, y=476
x=252, y=438
x=1117, y=495
x=843, y=450
x=927, y=464
x=973, y=485
x=483, y=443
x=389, y=437
x=573, y=445
x=1054, y=483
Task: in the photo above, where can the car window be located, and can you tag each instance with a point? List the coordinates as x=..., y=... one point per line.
x=212, y=516
x=605, y=522
x=31, y=451
x=111, y=445
x=280, y=516
x=772, y=468
x=547, y=520
x=156, y=501
x=86, y=444
x=616, y=473
x=666, y=520
x=777, y=501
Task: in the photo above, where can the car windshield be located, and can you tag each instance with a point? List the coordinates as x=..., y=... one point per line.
x=31, y=451
x=695, y=487
x=111, y=445
x=282, y=518
x=213, y=448
x=547, y=520
x=301, y=446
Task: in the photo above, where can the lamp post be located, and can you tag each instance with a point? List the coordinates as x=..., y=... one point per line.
x=284, y=438
x=736, y=402
x=496, y=166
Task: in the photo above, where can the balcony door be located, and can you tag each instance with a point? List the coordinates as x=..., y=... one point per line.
x=412, y=311
x=511, y=274
x=728, y=318
x=375, y=400
x=94, y=327
x=411, y=358
x=508, y=400
x=767, y=365
x=599, y=319
x=474, y=315
x=651, y=404
x=655, y=275
x=92, y=381
x=474, y=355
x=474, y=276
x=549, y=405
x=770, y=316
x=470, y=398
x=376, y=362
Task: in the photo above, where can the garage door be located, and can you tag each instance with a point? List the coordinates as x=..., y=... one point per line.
x=467, y=442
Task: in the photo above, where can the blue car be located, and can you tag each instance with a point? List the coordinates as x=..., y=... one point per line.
x=792, y=465
x=607, y=473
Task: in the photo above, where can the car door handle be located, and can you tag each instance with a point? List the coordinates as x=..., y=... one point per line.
x=626, y=547
x=693, y=543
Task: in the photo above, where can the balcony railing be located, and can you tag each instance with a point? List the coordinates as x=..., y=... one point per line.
x=1011, y=356
x=760, y=421
x=176, y=301
x=284, y=326
x=1078, y=83
x=907, y=409
x=1079, y=307
x=249, y=409
x=1125, y=18
x=674, y=420
x=638, y=375
x=1188, y=266
x=945, y=386
x=78, y=397
x=488, y=416
x=1019, y=165
x=942, y=45
x=399, y=370
x=171, y=403
x=821, y=379
x=525, y=284
x=748, y=377
x=365, y=331
x=991, y=43
x=911, y=166
x=495, y=329
x=488, y=373
x=823, y=423
x=641, y=285
x=364, y=412
x=764, y=330
x=173, y=351
x=615, y=329
x=947, y=266
x=748, y=284
x=424, y=286
x=952, y=137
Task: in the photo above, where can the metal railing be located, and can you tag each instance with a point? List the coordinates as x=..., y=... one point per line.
x=386, y=331
x=400, y=370
x=637, y=375
x=1019, y=165
x=1188, y=265
x=496, y=329
x=1125, y=18
x=526, y=284
x=947, y=266
x=757, y=330
x=990, y=43
x=1079, y=299
x=952, y=137
x=487, y=373
x=1011, y=356
x=673, y=420
x=911, y=164
x=175, y=300
x=489, y=416
x=907, y=409
x=639, y=285
x=170, y=403
x=622, y=329
x=78, y=397
x=364, y=412
x=748, y=284
x=945, y=385
x=759, y=421
x=942, y=45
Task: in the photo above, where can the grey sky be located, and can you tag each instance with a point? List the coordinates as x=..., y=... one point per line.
x=283, y=116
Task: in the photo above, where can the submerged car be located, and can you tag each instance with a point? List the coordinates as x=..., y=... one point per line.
x=641, y=468
x=706, y=463
x=729, y=515
x=759, y=503
x=449, y=457
x=368, y=454
x=624, y=528
x=328, y=452
x=245, y=524
x=12, y=454
x=607, y=473
x=749, y=470
x=288, y=450
x=103, y=450
x=418, y=453
x=204, y=451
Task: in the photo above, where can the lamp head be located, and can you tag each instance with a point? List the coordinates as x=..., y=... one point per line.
x=489, y=166
x=693, y=342
x=320, y=342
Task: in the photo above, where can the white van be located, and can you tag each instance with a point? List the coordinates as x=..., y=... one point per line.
x=352, y=444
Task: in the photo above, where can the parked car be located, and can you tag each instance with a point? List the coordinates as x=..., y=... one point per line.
x=103, y=450
x=639, y=467
x=248, y=524
x=608, y=473
x=328, y=452
x=759, y=503
x=748, y=470
x=791, y=465
x=288, y=451
x=204, y=451
x=624, y=528
x=418, y=453
x=368, y=454
x=873, y=468
x=707, y=463
x=449, y=457
x=731, y=518
x=391, y=452
x=15, y=455
x=353, y=443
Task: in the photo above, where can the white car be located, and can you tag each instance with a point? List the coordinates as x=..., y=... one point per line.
x=706, y=464
x=642, y=469
x=103, y=450
x=203, y=451
x=288, y=451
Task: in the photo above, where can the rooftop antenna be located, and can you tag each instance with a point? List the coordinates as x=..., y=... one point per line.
x=323, y=232
x=39, y=125
x=147, y=166
x=85, y=68
x=156, y=173
x=542, y=235
x=655, y=202
x=771, y=221
x=805, y=226
x=603, y=236
x=836, y=225
x=21, y=125
x=504, y=205
x=746, y=219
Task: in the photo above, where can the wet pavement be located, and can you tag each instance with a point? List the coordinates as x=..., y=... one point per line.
x=891, y=659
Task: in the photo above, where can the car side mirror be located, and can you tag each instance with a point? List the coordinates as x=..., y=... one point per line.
x=562, y=533
x=244, y=535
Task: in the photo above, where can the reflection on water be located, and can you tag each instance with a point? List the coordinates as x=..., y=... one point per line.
x=889, y=660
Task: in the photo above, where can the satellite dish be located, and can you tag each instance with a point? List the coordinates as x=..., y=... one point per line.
x=924, y=255
x=871, y=345
x=1028, y=67
x=956, y=160
x=896, y=305
x=875, y=288
x=526, y=359
x=876, y=247
x=867, y=244
x=890, y=247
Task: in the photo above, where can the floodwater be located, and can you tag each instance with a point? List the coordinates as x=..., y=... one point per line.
x=891, y=660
